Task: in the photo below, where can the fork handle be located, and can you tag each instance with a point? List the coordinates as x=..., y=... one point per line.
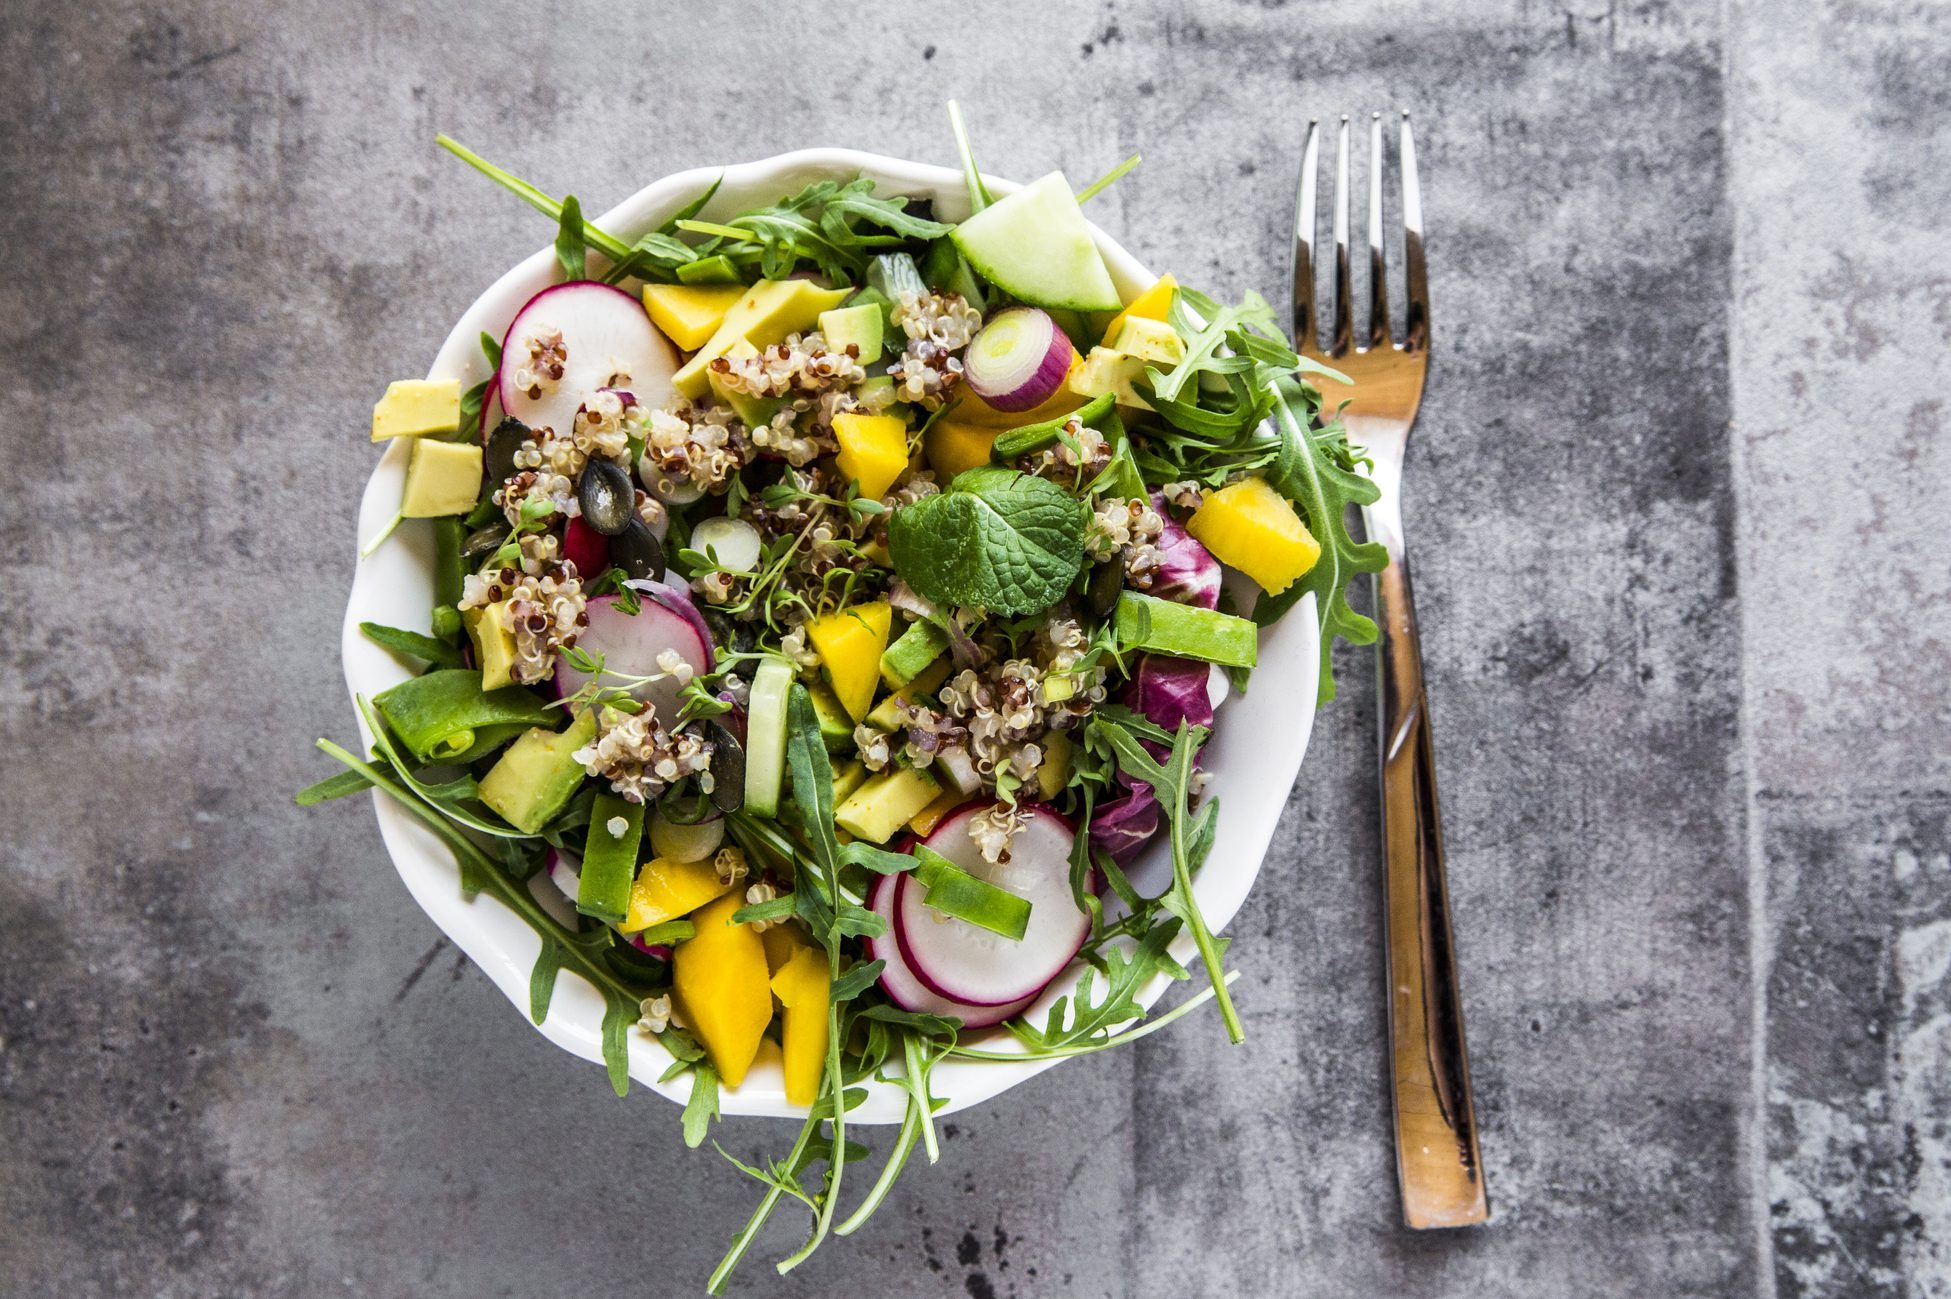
x=1437, y=1159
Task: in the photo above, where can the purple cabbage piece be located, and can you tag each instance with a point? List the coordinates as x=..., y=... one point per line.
x=1166, y=691
x=1187, y=572
x=1125, y=825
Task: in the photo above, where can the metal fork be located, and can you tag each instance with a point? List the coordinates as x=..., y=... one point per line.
x=1437, y=1157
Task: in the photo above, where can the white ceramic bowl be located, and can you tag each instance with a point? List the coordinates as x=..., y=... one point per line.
x=1254, y=755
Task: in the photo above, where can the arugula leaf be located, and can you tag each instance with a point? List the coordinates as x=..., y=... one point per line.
x=1105, y=998
x=702, y=1107
x=334, y=786
x=1323, y=487
x=998, y=539
x=858, y=979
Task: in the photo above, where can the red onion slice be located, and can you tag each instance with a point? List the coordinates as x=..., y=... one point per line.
x=1018, y=360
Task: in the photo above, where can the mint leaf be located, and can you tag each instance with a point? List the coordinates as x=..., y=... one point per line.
x=998, y=540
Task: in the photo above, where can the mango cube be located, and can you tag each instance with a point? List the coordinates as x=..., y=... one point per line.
x=952, y=446
x=1252, y=527
x=723, y=989
x=850, y=643
x=873, y=450
x=671, y=890
x=415, y=408
x=690, y=313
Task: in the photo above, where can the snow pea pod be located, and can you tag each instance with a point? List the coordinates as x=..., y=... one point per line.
x=445, y=716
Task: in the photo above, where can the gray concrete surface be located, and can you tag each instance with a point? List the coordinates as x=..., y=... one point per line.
x=1678, y=509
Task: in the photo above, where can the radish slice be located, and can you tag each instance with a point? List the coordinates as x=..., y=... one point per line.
x=733, y=543
x=598, y=336
x=678, y=601
x=900, y=983
x=1018, y=360
x=629, y=645
x=965, y=963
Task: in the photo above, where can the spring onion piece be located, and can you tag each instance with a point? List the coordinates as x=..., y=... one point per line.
x=954, y=892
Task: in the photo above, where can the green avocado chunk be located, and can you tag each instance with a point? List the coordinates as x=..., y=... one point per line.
x=538, y=775
x=912, y=651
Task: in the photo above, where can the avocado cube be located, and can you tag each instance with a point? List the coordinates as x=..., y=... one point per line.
x=538, y=775
x=754, y=411
x=442, y=478
x=1107, y=371
x=494, y=644
x=1148, y=340
x=887, y=713
x=921, y=644
x=770, y=310
x=836, y=728
x=415, y=408
x=885, y=803
x=861, y=327
x=848, y=777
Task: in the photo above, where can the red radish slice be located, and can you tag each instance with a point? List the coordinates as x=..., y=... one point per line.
x=629, y=645
x=678, y=601
x=586, y=548
x=600, y=338
x=900, y=983
x=1018, y=360
x=966, y=963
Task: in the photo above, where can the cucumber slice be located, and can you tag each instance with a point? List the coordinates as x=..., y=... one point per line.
x=765, y=737
x=610, y=860
x=1036, y=246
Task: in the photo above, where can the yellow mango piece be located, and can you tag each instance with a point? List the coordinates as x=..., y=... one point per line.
x=873, y=450
x=850, y=643
x=802, y=986
x=971, y=409
x=415, y=408
x=1252, y=527
x=1153, y=304
x=720, y=983
x=669, y=890
x=952, y=446
x=780, y=942
x=690, y=313
x=1054, y=772
x=924, y=822
x=769, y=310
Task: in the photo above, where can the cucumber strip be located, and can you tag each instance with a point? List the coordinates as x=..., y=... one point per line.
x=954, y=892
x=765, y=737
x=716, y=269
x=610, y=860
x=1145, y=622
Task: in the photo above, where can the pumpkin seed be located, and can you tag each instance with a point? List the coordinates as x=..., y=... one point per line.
x=637, y=551
x=608, y=499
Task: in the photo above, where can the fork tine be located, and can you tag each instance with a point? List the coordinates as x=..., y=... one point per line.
x=1304, y=228
x=1378, y=282
x=1343, y=326
x=1416, y=319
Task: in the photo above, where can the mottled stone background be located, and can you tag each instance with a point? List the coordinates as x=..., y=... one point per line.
x=1678, y=506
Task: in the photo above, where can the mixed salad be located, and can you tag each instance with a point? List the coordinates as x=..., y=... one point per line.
x=828, y=608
